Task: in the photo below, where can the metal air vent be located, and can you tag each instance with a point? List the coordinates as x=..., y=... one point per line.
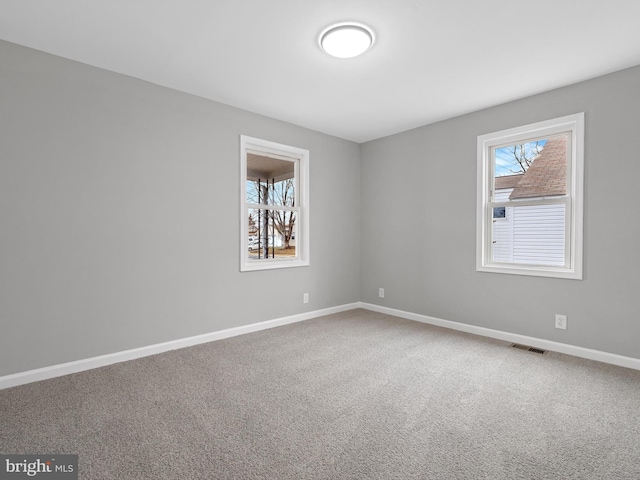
x=528, y=348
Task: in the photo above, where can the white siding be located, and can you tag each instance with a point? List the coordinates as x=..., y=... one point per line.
x=502, y=195
x=532, y=235
x=538, y=234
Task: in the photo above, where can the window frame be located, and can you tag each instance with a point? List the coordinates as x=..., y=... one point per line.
x=573, y=125
x=300, y=157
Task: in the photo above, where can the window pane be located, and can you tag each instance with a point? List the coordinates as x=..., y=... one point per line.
x=282, y=193
x=272, y=234
x=499, y=212
x=532, y=169
x=532, y=235
x=270, y=180
x=254, y=195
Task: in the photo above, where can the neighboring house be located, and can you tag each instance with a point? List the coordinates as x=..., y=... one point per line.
x=532, y=234
x=276, y=239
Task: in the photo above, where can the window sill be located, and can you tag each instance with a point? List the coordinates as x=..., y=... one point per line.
x=534, y=271
x=272, y=264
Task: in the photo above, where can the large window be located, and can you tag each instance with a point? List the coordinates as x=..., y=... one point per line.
x=530, y=183
x=274, y=222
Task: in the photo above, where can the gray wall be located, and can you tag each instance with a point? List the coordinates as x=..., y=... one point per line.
x=419, y=223
x=119, y=216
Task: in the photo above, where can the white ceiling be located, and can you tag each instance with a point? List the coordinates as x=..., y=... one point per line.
x=432, y=60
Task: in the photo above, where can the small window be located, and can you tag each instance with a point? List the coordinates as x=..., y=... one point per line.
x=274, y=229
x=530, y=199
x=499, y=212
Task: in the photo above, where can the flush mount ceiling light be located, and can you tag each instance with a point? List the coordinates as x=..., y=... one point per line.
x=346, y=40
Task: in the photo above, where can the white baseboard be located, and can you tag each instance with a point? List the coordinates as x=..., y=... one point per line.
x=53, y=371
x=581, y=352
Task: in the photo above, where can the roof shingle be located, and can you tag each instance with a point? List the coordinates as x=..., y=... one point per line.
x=547, y=175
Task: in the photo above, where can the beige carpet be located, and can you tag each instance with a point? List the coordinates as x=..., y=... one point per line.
x=357, y=395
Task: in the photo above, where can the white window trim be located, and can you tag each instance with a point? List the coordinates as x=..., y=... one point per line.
x=574, y=125
x=277, y=150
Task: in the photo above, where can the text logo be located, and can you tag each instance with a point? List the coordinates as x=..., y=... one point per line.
x=46, y=467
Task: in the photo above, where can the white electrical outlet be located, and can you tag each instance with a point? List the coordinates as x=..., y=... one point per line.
x=561, y=321
x=381, y=292
x=305, y=298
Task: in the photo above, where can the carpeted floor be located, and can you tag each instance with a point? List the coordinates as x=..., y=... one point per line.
x=357, y=395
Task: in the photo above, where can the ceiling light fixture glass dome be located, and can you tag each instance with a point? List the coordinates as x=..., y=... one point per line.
x=346, y=40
